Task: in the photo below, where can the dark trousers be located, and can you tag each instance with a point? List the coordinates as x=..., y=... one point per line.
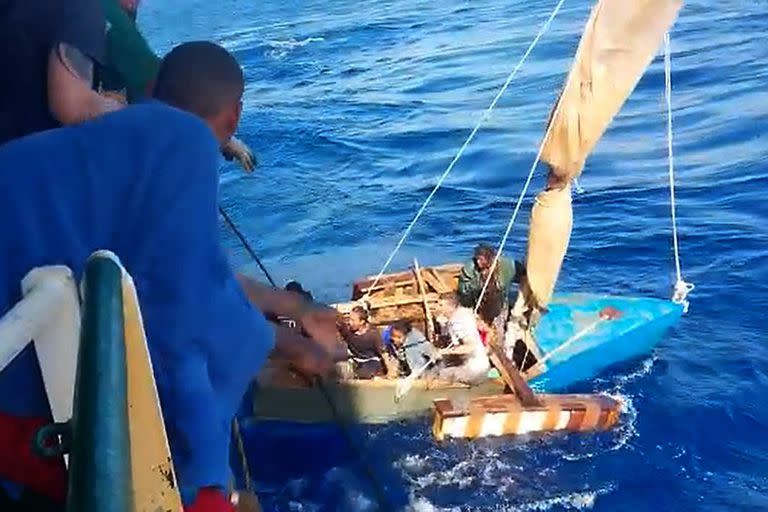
x=28, y=502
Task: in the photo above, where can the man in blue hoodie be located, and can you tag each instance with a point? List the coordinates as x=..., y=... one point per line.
x=143, y=183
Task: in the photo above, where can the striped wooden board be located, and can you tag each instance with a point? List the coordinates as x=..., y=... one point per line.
x=501, y=415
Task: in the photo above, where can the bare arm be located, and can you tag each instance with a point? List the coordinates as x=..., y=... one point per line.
x=273, y=301
x=459, y=350
x=310, y=356
x=391, y=364
x=70, y=97
x=319, y=324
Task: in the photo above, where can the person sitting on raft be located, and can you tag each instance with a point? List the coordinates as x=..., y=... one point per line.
x=465, y=343
x=495, y=305
x=408, y=346
x=369, y=357
x=143, y=182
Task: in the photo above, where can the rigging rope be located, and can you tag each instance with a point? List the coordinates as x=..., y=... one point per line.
x=464, y=146
x=682, y=288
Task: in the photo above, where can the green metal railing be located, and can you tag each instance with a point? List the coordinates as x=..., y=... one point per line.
x=97, y=437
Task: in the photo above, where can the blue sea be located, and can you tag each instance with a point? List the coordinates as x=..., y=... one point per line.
x=355, y=108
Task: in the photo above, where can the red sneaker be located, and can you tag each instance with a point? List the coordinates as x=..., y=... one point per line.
x=210, y=499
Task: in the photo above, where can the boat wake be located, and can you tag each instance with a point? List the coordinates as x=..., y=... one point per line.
x=528, y=473
x=626, y=430
x=618, y=383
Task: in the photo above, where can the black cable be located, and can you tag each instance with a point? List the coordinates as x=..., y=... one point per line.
x=246, y=245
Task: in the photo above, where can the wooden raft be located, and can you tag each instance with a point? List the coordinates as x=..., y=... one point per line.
x=501, y=415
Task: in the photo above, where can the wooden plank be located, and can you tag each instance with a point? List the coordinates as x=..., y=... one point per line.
x=381, y=303
x=512, y=377
x=553, y=416
x=434, y=280
x=427, y=313
x=576, y=420
x=591, y=416
x=475, y=423
x=443, y=286
x=363, y=286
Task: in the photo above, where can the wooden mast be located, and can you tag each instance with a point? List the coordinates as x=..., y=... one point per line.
x=430, y=325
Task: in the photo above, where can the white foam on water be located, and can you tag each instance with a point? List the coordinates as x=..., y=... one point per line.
x=618, y=382
x=280, y=48
x=584, y=500
x=290, y=44
x=424, y=505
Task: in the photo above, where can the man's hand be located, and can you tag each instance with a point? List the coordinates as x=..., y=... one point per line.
x=115, y=96
x=320, y=324
x=314, y=359
x=310, y=356
x=236, y=149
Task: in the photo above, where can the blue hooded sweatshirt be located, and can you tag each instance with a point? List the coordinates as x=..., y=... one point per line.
x=143, y=183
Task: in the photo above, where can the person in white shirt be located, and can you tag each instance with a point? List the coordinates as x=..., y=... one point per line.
x=466, y=343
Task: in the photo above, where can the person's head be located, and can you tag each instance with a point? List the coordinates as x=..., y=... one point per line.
x=295, y=287
x=400, y=330
x=204, y=79
x=358, y=318
x=448, y=304
x=483, y=257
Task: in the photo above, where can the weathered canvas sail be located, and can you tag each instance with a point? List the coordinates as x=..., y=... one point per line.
x=548, y=234
x=618, y=43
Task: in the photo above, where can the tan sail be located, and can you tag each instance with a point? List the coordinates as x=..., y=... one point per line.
x=548, y=235
x=618, y=43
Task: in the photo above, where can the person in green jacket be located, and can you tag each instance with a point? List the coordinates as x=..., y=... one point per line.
x=131, y=67
x=472, y=278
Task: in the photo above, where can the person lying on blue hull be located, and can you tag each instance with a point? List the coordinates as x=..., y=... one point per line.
x=143, y=183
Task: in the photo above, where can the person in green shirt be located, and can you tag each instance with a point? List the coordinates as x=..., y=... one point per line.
x=495, y=305
x=131, y=67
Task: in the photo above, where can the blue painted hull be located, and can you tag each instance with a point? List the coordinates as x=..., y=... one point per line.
x=603, y=344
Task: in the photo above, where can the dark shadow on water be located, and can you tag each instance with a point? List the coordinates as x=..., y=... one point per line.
x=320, y=466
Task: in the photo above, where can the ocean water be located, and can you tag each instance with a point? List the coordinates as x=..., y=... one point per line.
x=356, y=107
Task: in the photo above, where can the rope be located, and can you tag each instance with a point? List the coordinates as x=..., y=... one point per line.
x=517, y=206
x=246, y=245
x=682, y=288
x=377, y=487
x=567, y=343
x=464, y=146
x=243, y=458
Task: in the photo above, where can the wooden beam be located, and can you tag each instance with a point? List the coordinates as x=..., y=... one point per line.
x=427, y=313
x=512, y=377
x=379, y=303
x=436, y=281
